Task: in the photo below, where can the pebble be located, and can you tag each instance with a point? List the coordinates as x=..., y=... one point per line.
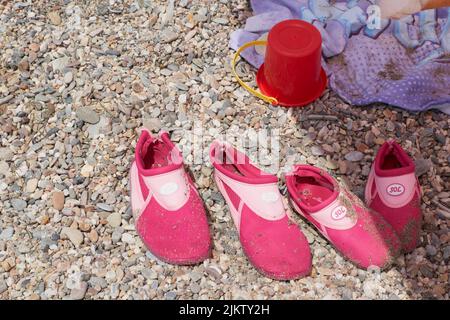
x=117, y=234
x=127, y=238
x=87, y=115
x=79, y=292
x=431, y=250
x=169, y=36
x=446, y=252
x=206, y=102
x=114, y=290
x=347, y=294
x=68, y=78
x=6, y=99
x=149, y=274
x=23, y=65
x=354, y=156
x=220, y=20
x=6, y=154
x=34, y=47
x=152, y=124
x=309, y=236
x=317, y=151
x=98, y=282
x=60, y=64
x=3, y=286
x=202, y=14
x=74, y=235
x=23, y=248
x=422, y=166
x=195, y=288
x=195, y=276
x=440, y=138
x=170, y=295
x=106, y=207
x=370, y=289
x=84, y=226
x=58, y=200
x=137, y=87
x=87, y=170
x=114, y=219
x=93, y=236
x=214, y=271
x=18, y=204
x=110, y=276
x=7, y=233
x=54, y=18
x=393, y=296
x=31, y=185
x=229, y=111
x=5, y=266
x=102, y=8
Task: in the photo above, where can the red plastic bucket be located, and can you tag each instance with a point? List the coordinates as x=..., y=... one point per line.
x=292, y=71
x=292, y=74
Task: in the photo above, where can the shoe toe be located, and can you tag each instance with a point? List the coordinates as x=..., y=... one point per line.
x=277, y=249
x=176, y=237
x=372, y=242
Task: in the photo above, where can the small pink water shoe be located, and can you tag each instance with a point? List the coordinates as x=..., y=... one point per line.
x=168, y=211
x=364, y=238
x=393, y=190
x=274, y=245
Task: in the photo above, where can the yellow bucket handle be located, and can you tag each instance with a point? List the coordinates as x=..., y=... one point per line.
x=268, y=99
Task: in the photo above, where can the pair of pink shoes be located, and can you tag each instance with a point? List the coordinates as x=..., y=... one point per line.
x=371, y=234
x=171, y=220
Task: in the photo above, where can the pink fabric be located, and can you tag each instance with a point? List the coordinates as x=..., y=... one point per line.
x=177, y=237
x=334, y=216
x=171, y=189
x=318, y=174
x=393, y=191
x=274, y=245
x=142, y=184
x=365, y=238
x=393, y=149
x=278, y=249
x=233, y=201
x=143, y=148
x=169, y=214
x=397, y=191
x=262, y=199
x=138, y=191
x=222, y=153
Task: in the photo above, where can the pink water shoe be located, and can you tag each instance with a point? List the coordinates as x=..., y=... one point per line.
x=393, y=190
x=168, y=211
x=274, y=245
x=364, y=238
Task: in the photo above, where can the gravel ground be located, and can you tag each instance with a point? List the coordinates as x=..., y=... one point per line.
x=77, y=81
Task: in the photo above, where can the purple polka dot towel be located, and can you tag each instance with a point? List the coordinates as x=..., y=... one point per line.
x=404, y=63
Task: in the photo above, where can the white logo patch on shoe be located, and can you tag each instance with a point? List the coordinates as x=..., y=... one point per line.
x=395, y=189
x=270, y=197
x=339, y=213
x=168, y=189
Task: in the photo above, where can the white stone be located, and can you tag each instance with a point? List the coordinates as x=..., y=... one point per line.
x=87, y=170
x=74, y=235
x=128, y=238
x=114, y=219
x=31, y=185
